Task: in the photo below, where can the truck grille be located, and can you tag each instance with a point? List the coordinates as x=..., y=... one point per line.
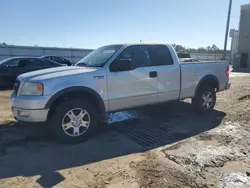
x=16, y=87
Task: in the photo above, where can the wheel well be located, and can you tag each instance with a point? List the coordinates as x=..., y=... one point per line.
x=77, y=95
x=211, y=81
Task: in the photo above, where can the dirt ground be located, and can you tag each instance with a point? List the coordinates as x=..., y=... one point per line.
x=166, y=145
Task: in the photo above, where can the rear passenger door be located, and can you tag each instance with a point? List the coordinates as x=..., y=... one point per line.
x=168, y=72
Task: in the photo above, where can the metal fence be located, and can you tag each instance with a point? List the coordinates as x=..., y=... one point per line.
x=209, y=56
x=73, y=54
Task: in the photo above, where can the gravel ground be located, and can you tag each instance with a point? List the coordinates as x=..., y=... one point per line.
x=166, y=145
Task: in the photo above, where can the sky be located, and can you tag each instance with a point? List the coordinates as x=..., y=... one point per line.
x=93, y=23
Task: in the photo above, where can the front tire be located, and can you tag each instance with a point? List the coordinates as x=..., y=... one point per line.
x=205, y=99
x=74, y=121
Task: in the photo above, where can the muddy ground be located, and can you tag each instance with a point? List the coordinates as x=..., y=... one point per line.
x=166, y=145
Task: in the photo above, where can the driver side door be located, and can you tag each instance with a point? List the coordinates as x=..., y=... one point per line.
x=134, y=86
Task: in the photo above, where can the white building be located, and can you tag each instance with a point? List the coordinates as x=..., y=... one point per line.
x=241, y=39
x=234, y=34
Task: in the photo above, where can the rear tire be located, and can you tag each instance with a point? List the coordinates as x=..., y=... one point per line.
x=205, y=99
x=74, y=121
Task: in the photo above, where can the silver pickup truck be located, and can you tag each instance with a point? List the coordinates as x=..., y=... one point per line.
x=73, y=100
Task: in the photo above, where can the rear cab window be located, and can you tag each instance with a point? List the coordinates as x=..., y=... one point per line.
x=160, y=55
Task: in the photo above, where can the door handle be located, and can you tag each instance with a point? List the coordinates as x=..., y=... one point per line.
x=153, y=74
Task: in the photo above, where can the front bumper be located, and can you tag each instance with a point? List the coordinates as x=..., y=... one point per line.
x=30, y=108
x=30, y=115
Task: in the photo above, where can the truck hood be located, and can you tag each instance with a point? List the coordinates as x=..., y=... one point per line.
x=52, y=73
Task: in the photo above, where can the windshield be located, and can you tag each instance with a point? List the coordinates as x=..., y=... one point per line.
x=5, y=60
x=99, y=57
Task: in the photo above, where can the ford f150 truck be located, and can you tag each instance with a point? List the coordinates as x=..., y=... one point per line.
x=74, y=99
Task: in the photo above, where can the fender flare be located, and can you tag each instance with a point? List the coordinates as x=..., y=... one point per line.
x=204, y=79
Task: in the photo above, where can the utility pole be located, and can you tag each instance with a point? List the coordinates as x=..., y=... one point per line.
x=227, y=28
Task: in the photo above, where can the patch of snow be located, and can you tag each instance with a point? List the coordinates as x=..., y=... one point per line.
x=120, y=116
x=229, y=129
x=211, y=153
x=237, y=74
x=235, y=180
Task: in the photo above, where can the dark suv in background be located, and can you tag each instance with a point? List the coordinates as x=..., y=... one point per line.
x=10, y=68
x=57, y=59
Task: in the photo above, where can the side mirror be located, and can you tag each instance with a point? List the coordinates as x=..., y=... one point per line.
x=121, y=65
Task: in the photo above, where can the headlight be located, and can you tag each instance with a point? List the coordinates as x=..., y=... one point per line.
x=31, y=88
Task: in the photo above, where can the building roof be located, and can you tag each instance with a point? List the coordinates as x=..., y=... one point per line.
x=245, y=7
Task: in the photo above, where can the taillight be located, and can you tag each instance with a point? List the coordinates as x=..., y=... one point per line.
x=228, y=71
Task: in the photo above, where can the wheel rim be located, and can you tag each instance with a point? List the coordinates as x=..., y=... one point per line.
x=207, y=100
x=76, y=122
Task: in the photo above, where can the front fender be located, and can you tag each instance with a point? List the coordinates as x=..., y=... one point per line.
x=77, y=89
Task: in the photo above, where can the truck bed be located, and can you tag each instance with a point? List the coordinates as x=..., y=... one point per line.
x=192, y=72
x=204, y=62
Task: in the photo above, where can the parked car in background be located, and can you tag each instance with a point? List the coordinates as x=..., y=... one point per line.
x=10, y=68
x=57, y=59
x=190, y=60
x=186, y=58
x=183, y=55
